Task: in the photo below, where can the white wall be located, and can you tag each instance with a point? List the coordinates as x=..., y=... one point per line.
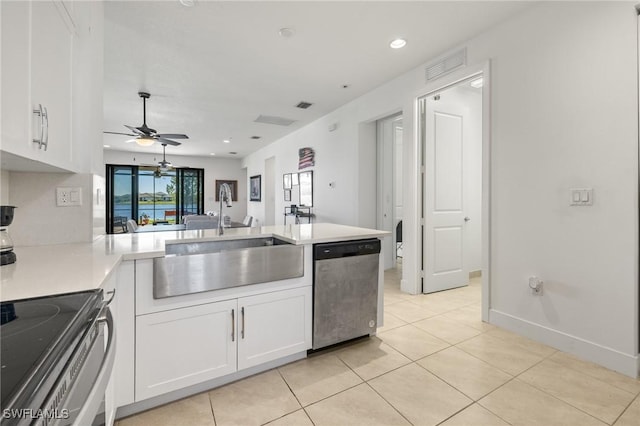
x=214, y=168
x=88, y=90
x=4, y=187
x=564, y=113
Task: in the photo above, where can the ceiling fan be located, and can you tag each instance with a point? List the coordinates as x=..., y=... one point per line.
x=146, y=136
x=162, y=166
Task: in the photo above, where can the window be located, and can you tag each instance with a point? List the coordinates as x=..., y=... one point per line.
x=149, y=196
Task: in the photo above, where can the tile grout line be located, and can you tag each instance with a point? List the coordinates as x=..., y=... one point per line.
x=636, y=393
x=213, y=414
x=553, y=396
x=459, y=390
x=385, y=400
x=626, y=408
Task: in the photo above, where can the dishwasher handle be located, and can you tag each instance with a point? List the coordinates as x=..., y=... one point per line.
x=346, y=249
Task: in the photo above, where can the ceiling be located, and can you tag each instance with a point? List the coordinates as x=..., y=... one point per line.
x=213, y=68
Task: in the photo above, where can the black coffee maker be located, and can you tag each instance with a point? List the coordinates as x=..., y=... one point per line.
x=7, y=255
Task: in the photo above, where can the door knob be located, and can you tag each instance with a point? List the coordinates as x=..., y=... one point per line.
x=467, y=219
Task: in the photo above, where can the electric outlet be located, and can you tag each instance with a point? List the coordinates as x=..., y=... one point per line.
x=66, y=197
x=535, y=284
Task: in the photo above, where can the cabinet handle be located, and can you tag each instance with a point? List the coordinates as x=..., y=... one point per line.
x=242, y=330
x=40, y=112
x=233, y=325
x=45, y=142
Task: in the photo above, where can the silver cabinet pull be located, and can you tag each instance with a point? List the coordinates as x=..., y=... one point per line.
x=233, y=325
x=242, y=330
x=40, y=113
x=45, y=142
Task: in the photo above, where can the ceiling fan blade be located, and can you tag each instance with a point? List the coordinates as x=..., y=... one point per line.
x=135, y=130
x=173, y=136
x=167, y=141
x=119, y=133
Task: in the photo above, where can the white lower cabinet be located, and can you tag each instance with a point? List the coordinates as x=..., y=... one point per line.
x=182, y=347
x=273, y=325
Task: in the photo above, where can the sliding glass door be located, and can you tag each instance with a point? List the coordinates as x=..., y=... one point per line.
x=151, y=197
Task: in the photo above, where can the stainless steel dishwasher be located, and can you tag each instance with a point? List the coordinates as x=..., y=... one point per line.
x=345, y=291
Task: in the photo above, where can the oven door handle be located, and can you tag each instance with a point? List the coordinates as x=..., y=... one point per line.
x=96, y=395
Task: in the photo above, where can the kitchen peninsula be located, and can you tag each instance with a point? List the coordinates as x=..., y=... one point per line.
x=171, y=347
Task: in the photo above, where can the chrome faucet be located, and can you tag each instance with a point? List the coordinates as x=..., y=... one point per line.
x=224, y=195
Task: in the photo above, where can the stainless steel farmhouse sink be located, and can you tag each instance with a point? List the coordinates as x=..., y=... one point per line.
x=212, y=265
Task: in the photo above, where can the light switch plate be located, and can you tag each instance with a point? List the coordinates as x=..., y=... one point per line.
x=581, y=196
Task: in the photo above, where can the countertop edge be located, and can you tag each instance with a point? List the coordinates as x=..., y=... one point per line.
x=66, y=268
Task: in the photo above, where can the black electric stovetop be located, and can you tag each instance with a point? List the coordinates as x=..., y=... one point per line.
x=33, y=335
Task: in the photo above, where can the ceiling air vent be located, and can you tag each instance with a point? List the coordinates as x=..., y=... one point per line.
x=278, y=121
x=304, y=105
x=446, y=65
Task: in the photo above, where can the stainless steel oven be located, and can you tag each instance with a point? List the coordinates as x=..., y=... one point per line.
x=56, y=360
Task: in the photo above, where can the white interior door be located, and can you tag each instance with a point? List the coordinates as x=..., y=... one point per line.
x=444, y=205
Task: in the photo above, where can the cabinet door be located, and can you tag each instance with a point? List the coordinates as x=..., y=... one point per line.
x=183, y=347
x=15, y=17
x=51, y=44
x=273, y=325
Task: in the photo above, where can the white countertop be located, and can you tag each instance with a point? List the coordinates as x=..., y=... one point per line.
x=65, y=268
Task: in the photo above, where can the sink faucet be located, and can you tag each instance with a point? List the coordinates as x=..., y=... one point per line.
x=224, y=195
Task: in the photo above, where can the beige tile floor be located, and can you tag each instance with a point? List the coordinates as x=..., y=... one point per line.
x=433, y=363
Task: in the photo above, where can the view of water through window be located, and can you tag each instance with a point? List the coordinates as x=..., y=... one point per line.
x=158, y=198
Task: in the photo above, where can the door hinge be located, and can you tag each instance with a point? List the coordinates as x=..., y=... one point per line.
x=421, y=169
x=422, y=221
x=422, y=274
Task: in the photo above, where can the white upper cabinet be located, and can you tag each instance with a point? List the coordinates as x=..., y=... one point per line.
x=16, y=101
x=41, y=50
x=51, y=44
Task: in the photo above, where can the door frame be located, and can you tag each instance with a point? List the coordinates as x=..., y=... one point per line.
x=450, y=80
x=382, y=177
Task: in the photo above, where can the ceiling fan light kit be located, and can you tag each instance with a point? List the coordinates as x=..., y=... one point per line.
x=143, y=141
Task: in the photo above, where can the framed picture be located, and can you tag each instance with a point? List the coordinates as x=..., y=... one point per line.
x=294, y=179
x=287, y=195
x=306, y=189
x=233, y=184
x=286, y=181
x=255, y=188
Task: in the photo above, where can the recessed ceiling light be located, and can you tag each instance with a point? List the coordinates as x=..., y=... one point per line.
x=477, y=83
x=213, y=153
x=188, y=3
x=398, y=43
x=226, y=141
x=107, y=146
x=232, y=152
x=287, y=32
x=256, y=137
x=345, y=86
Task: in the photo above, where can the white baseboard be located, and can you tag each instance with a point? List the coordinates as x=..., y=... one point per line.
x=612, y=359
